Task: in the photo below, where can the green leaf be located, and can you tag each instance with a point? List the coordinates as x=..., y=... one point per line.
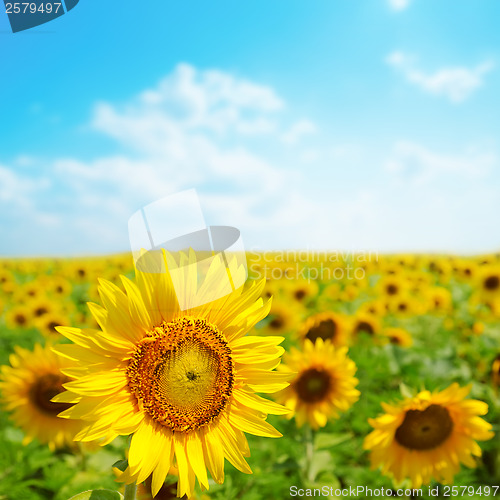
x=325, y=440
x=121, y=464
x=98, y=495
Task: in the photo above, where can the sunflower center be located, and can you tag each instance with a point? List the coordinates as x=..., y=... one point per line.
x=326, y=330
x=364, y=326
x=392, y=289
x=300, y=294
x=276, y=323
x=182, y=373
x=424, y=430
x=20, y=319
x=40, y=311
x=44, y=389
x=313, y=385
x=492, y=283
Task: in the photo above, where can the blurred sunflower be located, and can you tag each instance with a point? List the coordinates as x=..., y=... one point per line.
x=28, y=387
x=489, y=281
x=30, y=291
x=392, y=286
x=59, y=286
x=398, y=336
x=323, y=386
x=495, y=372
x=428, y=436
x=40, y=307
x=282, y=318
x=376, y=307
x=48, y=323
x=326, y=326
x=366, y=323
x=182, y=382
x=404, y=305
x=5, y=277
x=302, y=290
x=18, y=317
x=438, y=299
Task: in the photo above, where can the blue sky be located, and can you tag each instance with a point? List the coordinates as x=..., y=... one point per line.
x=332, y=124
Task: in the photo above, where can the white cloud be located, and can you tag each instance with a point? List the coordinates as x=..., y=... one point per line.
x=207, y=100
x=399, y=4
x=17, y=189
x=297, y=131
x=419, y=165
x=194, y=129
x=190, y=131
x=456, y=83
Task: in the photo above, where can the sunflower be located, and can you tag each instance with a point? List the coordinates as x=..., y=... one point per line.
x=48, y=323
x=495, y=372
x=327, y=326
x=428, y=436
x=438, y=299
x=398, y=336
x=183, y=382
x=323, y=386
x=40, y=306
x=302, y=290
x=376, y=307
x=59, y=286
x=365, y=323
x=404, y=305
x=27, y=389
x=18, y=317
x=392, y=286
x=282, y=318
x=489, y=282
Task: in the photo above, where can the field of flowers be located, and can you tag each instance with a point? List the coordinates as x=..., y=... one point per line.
x=393, y=364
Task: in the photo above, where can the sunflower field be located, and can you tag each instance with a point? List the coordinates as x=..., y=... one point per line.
x=329, y=375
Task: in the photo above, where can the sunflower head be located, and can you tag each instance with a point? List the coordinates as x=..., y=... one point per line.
x=398, y=336
x=323, y=386
x=495, y=372
x=18, y=317
x=28, y=387
x=365, y=323
x=183, y=382
x=326, y=326
x=489, y=281
x=428, y=436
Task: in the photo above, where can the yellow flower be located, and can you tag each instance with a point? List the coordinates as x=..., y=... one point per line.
x=48, y=323
x=428, y=436
x=391, y=286
x=282, y=318
x=18, y=317
x=489, y=282
x=40, y=306
x=398, y=336
x=327, y=326
x=323, y=386
x=183, y=382
x=365, y=323
x=438, y=299
x=27, y=388
x=495, y=372
x=302, y=290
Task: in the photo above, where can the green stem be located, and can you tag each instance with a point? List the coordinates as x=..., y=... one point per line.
x=130, y=490
x=309, y=439
x=83, y=458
